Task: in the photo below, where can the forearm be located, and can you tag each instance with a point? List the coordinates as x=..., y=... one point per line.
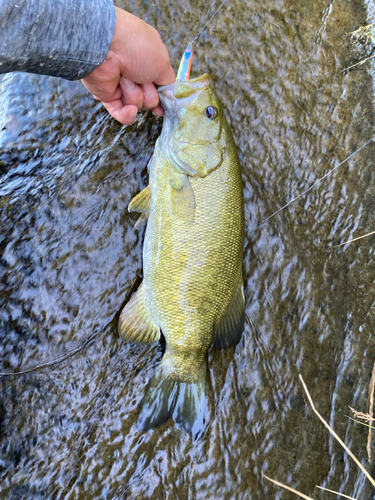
x=66, y=38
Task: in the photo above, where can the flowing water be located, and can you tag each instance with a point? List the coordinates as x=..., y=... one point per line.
x=70, y=253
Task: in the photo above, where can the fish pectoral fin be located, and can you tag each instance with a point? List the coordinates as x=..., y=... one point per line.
x=136, y=324
x=183, y=201
x=229, y=330
x=142, y=202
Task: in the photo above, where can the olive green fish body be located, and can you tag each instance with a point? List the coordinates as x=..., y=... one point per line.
x=193, y=266
x=192, y=289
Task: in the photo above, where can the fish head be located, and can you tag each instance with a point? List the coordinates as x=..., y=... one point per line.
x=192, y=137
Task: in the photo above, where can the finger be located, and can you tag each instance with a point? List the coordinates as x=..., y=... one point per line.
x=158, y=111
x=150, y=96
x=166, y=75
x=116, y=95
x=124, y=114
x=132, y=93
x=99, y=84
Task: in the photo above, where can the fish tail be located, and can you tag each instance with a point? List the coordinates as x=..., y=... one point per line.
x=168, y=396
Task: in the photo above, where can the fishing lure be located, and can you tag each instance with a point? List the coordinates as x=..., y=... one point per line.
x=187, y=57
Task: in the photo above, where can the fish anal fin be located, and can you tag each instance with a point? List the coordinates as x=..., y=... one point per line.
x=142, y=202
x=136, y=325
x=183, y=201
x=141, y=221
x=229, y=330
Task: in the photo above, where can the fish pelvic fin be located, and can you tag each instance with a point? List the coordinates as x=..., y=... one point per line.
x=136, y=324
x=168, y=396
x=229, y=330
x=141, y=202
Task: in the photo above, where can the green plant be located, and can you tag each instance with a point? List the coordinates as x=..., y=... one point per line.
x=363, y=34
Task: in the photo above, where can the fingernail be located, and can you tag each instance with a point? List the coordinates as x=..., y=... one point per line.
x=133, y=114
x=148, y=88
x=158, y=111
x=128, y=84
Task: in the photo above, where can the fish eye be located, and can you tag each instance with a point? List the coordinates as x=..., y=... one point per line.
x=211, y=112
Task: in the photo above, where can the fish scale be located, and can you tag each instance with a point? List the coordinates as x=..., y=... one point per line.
x=195, y=255
x=192, y=290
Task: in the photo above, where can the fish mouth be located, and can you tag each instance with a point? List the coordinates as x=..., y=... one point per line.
x=180, y=90
x=183, y=86
x=166, y=93
x=197, y=83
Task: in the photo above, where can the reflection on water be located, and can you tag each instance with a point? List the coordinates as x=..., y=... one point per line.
x=69, y=254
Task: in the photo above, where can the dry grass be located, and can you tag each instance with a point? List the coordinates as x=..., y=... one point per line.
x=288, y=488
x=354, y=239
x=363, y=35
x=369, y=417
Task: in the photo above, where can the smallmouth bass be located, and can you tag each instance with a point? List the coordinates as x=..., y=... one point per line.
x=192, y=290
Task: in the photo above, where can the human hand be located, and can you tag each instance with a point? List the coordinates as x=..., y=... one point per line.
x=136, y=61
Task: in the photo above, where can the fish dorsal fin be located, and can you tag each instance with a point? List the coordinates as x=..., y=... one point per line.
x=142, y=202
x=136, y=324
x=183, y=199
x=229, y=330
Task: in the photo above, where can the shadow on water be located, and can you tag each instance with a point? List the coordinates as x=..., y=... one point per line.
x=69, y=254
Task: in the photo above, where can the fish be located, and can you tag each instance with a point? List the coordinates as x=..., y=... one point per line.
x=192, y=292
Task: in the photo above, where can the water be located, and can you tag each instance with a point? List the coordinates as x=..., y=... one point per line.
x=70, y=253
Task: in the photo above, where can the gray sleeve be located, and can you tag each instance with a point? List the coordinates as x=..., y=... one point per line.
x=66, y=38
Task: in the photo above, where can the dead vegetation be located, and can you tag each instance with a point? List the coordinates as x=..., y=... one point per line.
x=367, y=417
x=363, y=35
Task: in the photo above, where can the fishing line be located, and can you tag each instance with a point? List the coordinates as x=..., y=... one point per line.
x=315, y=183
x=207, y=23
x=79, y=346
